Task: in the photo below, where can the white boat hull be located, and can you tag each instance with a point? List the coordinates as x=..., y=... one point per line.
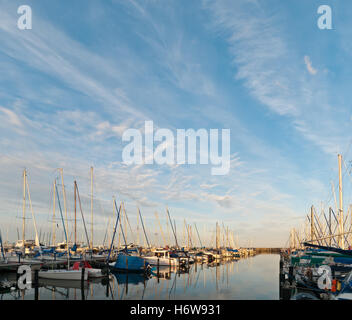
x=162, y=261
x=63, y=274
x=94, y=273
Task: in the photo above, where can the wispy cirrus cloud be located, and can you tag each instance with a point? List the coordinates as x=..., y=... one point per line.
x=270, y=68
x=309, y=66
x=11, y=117
x=70, y=90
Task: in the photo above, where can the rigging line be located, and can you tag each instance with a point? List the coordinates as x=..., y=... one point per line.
x=189, y=236
x=62, y=218
x=128, y=222
x=80, y=208
x=331, y=193
x=336, y=220
x=198, y=236
x=140, y=215
x=106, y=232
x=113, y=236
x=123, y=234
x=172, y=227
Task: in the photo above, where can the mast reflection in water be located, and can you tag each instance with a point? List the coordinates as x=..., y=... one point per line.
x=252, y=278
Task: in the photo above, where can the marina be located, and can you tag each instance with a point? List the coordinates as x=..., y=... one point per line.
x=318, y=263
x=175, y=150
x=255, y=277
x=78, y=263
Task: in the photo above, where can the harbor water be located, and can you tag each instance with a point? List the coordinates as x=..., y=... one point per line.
x=253, y=278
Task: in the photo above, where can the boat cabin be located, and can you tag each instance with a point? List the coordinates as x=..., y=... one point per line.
x=162, y=253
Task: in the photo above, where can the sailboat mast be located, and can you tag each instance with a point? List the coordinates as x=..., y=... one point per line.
x=351, y=223
x=64, y=196
x=200, y=242
x=24, y=208
x=33, y=217
x=80, y=208
x=145, y=234
x=217, y=239
x=172, y=227
x=125, y=221
x=138, y=230
x=75, y=196
x=227, y=237
x=161, y=230
x=54, y=205
x=91, y=204
x=341, y=221
x=312, y=224
x=184, y=234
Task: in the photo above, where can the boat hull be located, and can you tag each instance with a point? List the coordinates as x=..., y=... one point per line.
x=63, y=274
x=154, y=261
x=130, y=264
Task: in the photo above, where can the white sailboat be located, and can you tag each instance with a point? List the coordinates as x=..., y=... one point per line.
x=161, y=257
x=63, y=274
x=91, y=272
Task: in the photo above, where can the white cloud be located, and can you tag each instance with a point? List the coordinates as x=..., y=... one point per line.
x=11, y=117
x=309, y=66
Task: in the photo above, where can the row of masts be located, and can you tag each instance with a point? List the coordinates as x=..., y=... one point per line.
x=26, y=193
x=191, y=236
x=328, y=230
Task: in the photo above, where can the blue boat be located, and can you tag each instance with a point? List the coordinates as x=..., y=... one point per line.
x=343, y=260
x=134, y=278
x=128, y=263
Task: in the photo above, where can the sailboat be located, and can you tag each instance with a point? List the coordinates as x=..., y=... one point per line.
x=161, y=257
x=92, y=272
x=63, y=274
x=124, y=261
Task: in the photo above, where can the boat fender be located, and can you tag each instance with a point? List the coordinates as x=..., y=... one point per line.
x=338, y=286
x=333, y=285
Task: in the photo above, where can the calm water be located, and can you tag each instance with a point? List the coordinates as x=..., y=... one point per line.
x=252, y=278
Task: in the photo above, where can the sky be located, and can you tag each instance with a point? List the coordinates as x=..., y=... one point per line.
x=87, y=71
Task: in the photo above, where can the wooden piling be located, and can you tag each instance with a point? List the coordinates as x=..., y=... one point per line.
x=158, y=276
x=82, y=283
x=36, y=285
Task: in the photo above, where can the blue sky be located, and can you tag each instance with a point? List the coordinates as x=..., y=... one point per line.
x=87, y=71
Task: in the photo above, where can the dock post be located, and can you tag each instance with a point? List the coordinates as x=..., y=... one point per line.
x=127, y=283
x=158, y=270
x=290, y=274
x=107, y=288
x=281, y=278
x=179, y=266
x=36, y=285
x=107, y=278
x=82, y=283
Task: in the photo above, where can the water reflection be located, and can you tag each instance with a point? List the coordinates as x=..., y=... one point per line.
x=252, y=278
